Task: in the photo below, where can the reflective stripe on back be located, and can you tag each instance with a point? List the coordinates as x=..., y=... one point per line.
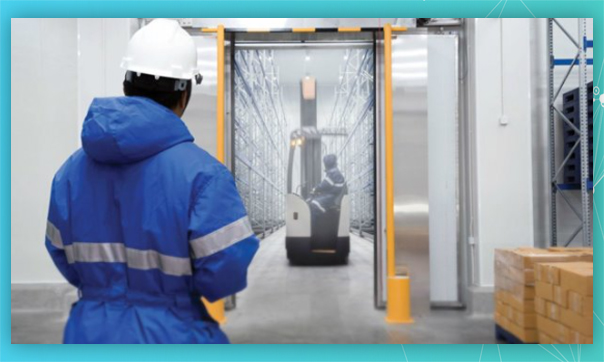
x=151, y=259
x=222, y=238
x=96, y=253
x=136, y=259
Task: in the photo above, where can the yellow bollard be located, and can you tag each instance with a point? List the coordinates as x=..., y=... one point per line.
x=216, y=310
x=398, y=305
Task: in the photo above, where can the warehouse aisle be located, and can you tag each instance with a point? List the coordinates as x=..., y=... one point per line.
x=333, y=304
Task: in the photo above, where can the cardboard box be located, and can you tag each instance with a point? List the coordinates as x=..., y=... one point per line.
x=552, y=311
x=546, y=339
x=560, y=296
x=500, y=307
x=570, y=250
x=525, y=320
x=521, y=291
x=540, y=305
x=578, y=338
x=501, y=321
x=577, y=322
x=523, y=334
x=554, y=329
x=548, y=273
x=577, y=277
x=522, y=305
x=527, y=335
x=524, y=276
x=525, y=258
x=580, y=304
x=544, y=290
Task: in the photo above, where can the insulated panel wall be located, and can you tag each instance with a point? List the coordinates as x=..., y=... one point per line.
x=44, y=119
x=500, y=104
x=442, y=167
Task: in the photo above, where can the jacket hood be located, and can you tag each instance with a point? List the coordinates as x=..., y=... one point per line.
x=123, y=130
x=330, y=161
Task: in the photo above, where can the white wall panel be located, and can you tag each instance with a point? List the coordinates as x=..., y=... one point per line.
x=101, y=46
x=43, y=134
x=442, y=167
x=503, y=167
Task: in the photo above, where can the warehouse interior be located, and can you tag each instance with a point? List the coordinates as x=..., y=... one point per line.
x=486, y=123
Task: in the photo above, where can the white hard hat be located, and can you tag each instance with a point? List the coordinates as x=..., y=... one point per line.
x=163, y=49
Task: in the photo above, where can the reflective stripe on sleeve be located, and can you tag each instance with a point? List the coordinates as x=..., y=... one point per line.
x=222, y=238
x=54, y=235
x=317, y=204
x=135, y=259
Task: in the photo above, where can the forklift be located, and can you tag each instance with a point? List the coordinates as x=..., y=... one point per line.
x=326, y=239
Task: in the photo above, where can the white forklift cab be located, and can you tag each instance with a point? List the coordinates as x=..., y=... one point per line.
x=326, y=239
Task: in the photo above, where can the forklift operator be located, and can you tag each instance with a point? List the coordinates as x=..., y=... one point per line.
x=324, y=196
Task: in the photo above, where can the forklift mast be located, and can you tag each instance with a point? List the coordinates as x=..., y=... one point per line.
x=311, y=152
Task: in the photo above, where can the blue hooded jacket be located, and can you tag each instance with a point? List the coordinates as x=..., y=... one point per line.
x=144, y=223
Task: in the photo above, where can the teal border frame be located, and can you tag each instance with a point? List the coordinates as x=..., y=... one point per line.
x=271, y=8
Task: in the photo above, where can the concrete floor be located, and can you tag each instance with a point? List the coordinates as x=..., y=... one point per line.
x=334, y=304
x=292, y=304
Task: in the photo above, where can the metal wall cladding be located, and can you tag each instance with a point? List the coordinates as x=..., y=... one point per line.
x=409, y=83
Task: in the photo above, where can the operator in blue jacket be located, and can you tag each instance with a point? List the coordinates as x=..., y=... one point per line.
x=142, y=221
x=331, y=187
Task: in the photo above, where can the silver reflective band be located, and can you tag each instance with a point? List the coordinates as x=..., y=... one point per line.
x=54, y=235
x=96, y=253
x=134, y=258
x=151, y=259
x=332, y=183
x=316, y=203
x=222, y=238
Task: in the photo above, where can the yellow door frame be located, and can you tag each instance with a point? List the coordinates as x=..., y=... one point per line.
x=398, y=303
x=216, y=309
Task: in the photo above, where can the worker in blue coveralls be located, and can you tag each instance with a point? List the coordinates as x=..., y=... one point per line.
x=324, y=196
x=142, y=221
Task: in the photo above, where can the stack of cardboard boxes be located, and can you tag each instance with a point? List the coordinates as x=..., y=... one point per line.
x=515, y=286
x=564, y=302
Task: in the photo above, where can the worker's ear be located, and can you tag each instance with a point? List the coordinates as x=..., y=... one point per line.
x=183, y=102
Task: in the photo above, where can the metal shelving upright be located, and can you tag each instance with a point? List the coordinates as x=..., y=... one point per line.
x=581, y=62
x=260, y=139
x=353, y=112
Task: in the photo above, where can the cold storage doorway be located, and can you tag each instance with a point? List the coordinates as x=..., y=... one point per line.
x=282, y=83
